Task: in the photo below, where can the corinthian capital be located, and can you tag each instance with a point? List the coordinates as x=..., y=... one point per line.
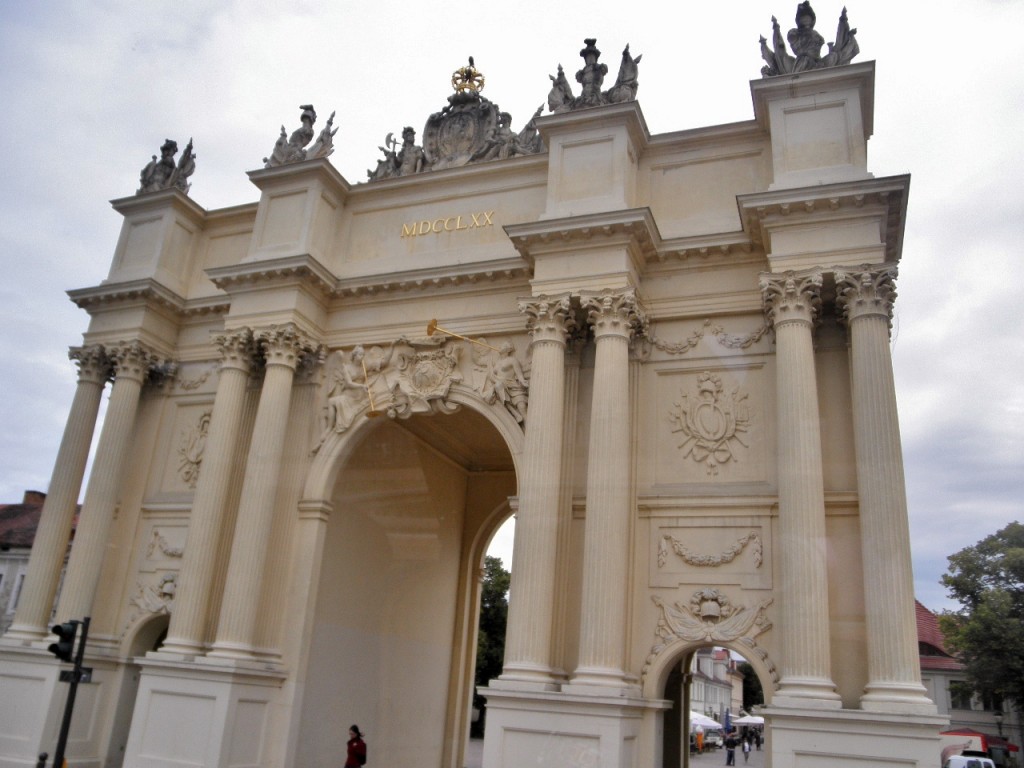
x=791, y=297
x=237, y=349
x=284, y=345
x=549, y=318
x=133, y=360
x=93, y=363
x=866, y=290
x=615, y=313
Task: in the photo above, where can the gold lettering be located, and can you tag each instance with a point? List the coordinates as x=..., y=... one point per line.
x=448, y=224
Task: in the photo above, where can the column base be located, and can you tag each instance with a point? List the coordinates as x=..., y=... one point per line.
x=525, y=677
x=799, y=738
x=807, y=693
x=904, y=698
x=560, y=729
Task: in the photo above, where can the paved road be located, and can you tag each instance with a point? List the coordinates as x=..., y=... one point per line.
x=475, y=752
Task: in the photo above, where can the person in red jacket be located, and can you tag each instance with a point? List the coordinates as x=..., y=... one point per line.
x=356, y=748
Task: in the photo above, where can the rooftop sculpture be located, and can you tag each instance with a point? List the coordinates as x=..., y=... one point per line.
x=591, y=77
x=291, y=149
x=806, y=44
x=472, y=129
x=164, y=173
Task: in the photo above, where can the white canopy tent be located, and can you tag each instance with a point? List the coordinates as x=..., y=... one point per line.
x=703, y=720
x=749, y=720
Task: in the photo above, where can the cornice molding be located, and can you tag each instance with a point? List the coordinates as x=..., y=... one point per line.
x=146, y=292
x=760, y=211
x=628, y=113
x=154, y=201
x=319, y=168
x=589, y=230
x=287, y=270
x=453, y=276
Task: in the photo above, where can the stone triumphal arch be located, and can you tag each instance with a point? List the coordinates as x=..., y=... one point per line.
x=667, y=355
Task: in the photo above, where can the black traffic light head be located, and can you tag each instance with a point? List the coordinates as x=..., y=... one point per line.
x=65, y=645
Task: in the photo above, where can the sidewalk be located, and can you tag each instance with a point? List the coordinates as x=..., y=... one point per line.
x=475, y=755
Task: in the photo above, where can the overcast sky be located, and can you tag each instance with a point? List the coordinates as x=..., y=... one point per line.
x=102, y=84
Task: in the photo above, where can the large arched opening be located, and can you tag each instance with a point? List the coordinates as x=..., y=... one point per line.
x=393, y=638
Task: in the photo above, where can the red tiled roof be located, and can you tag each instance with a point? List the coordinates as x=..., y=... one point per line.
x=928, y=629
x=18, y=522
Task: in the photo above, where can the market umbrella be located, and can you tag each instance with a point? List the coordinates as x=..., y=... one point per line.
x=703, y=720
x=749, y=720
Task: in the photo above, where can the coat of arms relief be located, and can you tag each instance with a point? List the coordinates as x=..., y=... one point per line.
x=713, y=422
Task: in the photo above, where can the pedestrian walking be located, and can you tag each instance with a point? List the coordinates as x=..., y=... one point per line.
x=730, y=749
x=356, y=748
x=746, y=750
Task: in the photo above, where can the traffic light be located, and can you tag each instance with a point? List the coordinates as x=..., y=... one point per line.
x=65, y=645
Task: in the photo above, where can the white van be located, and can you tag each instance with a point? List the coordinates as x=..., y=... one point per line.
x=968, y=761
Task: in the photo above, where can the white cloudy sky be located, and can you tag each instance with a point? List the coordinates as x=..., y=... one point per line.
x=91, y=89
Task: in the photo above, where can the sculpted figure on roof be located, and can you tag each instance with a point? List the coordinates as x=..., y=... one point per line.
x=806, y=44
x=292, y=149
x=164, y=173
x=591, y=77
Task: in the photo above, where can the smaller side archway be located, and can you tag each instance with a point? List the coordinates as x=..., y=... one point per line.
x=669, y=675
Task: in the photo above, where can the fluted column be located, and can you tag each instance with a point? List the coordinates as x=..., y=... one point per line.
x=792, y=304
x=528, y=637
x=613, y=318
x=866, y=296
x=282, y=348
x=51, y=541
x=132, y=363
x=187, y=631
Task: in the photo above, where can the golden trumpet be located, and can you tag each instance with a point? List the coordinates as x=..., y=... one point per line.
x=373, y=412
x=433, y=326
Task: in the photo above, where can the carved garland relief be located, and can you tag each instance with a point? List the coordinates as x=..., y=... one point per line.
x=668, y=541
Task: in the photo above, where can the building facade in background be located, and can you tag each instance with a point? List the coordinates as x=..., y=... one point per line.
x=667, y=355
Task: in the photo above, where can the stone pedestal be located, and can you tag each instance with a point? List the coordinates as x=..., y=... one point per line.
x=558, y=729
x=799, y=738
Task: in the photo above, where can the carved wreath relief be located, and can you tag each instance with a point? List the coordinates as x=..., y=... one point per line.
x=712, y=422
x=711, y=617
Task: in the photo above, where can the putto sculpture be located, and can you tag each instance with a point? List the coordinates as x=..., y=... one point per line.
x=163, y=173
x=292, y=149
x=591, y=78
x=470, y=129
x=806, y=45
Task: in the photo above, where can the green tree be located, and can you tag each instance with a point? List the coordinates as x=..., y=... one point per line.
x=987, y=632
x=490, y=643
x=753, y=694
